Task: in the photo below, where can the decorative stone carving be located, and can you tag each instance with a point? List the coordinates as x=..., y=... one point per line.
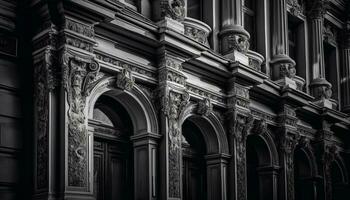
x=174, y=9
x=125, y=79
x=295, y=8
x=78, y=75
x=329, y=34
x=173, y=103
x=80, y=28
x=197, y=30
x=259, y=127
x=196, y=90
x=288, y=143
x=329, y=155
x=240, y=130
x=321, y=89
x=287, y=70
x=45, y=82
x=238, y=96
x=287, y=118
x=204, y=107
x=234, y=38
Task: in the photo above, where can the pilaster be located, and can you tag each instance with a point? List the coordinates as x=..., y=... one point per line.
x=320, y=87
x=174, y=98
x=240, y=122
x=283, y=66
x=287, y=140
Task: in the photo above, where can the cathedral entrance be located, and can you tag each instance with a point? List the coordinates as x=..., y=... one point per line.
x=193, y=163
x=113, y=151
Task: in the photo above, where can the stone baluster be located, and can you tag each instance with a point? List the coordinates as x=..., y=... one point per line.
x=283, y=67
x=321, y=89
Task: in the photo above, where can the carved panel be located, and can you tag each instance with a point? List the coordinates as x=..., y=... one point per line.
x=173, y=104
x=174, y=9
x=125, y=79
x=78, y=75
x=204, y=107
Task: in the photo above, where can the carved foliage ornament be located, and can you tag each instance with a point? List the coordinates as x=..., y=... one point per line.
x=125, y=79
x=295, y=7
x=288, y=142
x=329, y=155
x=242, y=125
x=317, y=8
x=174, y=9
x=78, y=75
x=204, y=107
x=238, y=42
x=173, y=103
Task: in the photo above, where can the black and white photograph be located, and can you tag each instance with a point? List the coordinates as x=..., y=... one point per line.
x=174, y=99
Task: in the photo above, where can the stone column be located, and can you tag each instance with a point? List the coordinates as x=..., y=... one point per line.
x=217, y=173
x=240, y=122
x=233, y=37
x=320, y=87
x=283, y=67
x=174, y=98
x=288, y=139
x=268, y=182
x=345, y=68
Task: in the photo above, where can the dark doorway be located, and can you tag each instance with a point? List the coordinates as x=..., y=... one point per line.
x=303, y=181
x=193, y=163
x=113, y=154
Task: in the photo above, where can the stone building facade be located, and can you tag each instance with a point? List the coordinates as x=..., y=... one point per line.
x=175, y=99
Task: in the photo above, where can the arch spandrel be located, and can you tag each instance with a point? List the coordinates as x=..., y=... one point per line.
x=137, y=104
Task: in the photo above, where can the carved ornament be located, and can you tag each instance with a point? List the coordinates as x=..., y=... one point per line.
x=174, y=9
x=125, y=79
x=204, y=107
x=78, y=75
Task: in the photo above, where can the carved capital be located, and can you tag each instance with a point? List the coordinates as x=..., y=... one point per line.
x=259, y=127
x=295, y=8
x=287, y=117
x=125, y=79
x=287, y=70
x=204, y=107
x=234, y=38
x=238, y=96
x=171, y=71
x=174, y=9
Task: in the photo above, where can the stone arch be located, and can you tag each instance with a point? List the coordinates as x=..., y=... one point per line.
x=212, y=130
x=309, y=153
x=137, y=104
x=270, y=146
x=339, y=162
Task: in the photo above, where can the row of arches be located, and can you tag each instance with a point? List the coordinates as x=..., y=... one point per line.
x=117, y=117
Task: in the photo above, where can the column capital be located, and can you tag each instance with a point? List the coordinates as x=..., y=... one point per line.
x=322, y=91
x=234, y=37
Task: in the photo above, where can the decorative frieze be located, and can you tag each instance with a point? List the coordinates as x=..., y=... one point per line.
x=204, y=107
x=78, y=74
x=80, y=28
x=238, y=96
x=262, y=115
x=205, y=94
x=287, y=118
x=119, y=63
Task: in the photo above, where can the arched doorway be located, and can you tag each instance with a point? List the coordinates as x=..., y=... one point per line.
x=304, y=183
x=113, y=151
x=193, y=163
x=340, y=190
x=261, y=169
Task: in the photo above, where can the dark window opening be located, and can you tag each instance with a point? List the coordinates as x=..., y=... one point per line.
x=250, y=22
x=331, y=69
x=194, y=9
